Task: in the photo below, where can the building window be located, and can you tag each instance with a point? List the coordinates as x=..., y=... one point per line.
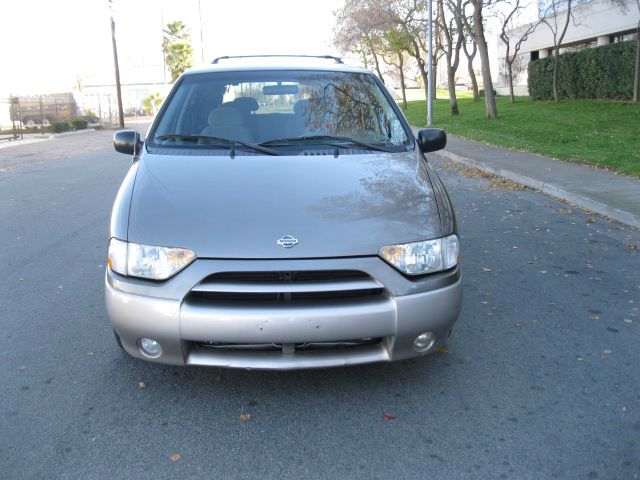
x=623, y=37
x=576, y=47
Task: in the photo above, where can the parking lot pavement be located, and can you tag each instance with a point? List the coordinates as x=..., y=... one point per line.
x=538, y=381
x=37, y=150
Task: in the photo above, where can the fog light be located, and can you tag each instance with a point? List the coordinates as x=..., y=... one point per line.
x=150, y=347
x=424, y=341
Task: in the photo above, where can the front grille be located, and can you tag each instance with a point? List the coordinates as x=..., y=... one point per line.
x=287, y=276
x=291, y=347
x=285, y=286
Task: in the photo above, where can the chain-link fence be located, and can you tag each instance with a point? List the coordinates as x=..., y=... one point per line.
x=97, y=105
x=9, y=129
x=21, y=115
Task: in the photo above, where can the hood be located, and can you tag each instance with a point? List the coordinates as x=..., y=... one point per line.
x=239, y=208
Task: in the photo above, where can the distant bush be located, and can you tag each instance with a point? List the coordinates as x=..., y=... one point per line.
x=604, y=72
x=59, y=127
x=79, y=123
x=481, y=92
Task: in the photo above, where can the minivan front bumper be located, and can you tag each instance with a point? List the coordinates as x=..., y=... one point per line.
x=197, y=321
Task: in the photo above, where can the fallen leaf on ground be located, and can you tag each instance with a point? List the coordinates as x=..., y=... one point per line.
x=441, y=350
x=175, y=457
x=590, y=220
x=245, y=417
x=217, y=377
x=142, y=385
x=388, y=416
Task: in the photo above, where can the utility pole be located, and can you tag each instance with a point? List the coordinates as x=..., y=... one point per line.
x=201, y=40
x=164, y=57
x=430, y=69
x=116, y=67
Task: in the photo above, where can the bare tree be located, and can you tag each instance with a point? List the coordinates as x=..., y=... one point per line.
x=396, y=46
x=513, y=38
x=556, y=15
x=451, y=33
x=476, y=29
x=472, y=74
x=359, y=29
x=408, y=16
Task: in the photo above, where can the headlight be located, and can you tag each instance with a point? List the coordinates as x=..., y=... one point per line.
x=147, y=261
x=418, y=258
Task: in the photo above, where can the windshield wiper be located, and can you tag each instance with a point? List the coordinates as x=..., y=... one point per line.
x=330, y=140
x=219, y=142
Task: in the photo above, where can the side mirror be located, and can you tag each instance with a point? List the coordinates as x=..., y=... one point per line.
x=431, y=139
x=128, y=142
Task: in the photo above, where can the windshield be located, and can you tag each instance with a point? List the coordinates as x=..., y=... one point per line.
x=281, y=109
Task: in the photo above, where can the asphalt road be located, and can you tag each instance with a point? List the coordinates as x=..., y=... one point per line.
x=541, y=378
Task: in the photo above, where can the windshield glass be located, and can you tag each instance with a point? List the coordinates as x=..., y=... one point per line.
x=278, y=108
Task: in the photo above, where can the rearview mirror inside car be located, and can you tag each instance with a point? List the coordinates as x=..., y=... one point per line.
x=280, y=89
x=431, y=139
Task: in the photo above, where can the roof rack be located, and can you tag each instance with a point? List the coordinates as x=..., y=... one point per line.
x=326, y=57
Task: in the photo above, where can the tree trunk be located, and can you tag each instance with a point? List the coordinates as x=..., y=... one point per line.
x=489, y=98
x=117, y=73
x=556, y=51
x=377, y=63
x=472, y=74
x=453, y=100
x=435, y=78
x=636, y=82
x=474, y=83
x=402, y=85
x=425, y=81
x=512, y=97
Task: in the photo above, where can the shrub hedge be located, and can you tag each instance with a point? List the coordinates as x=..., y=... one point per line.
x=79, y=123
x=604, y=72
x=59, y=127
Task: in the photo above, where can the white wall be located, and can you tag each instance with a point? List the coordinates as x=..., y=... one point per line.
x=597, y=18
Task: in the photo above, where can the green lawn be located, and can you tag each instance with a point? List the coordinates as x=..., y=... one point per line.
x=600, y=133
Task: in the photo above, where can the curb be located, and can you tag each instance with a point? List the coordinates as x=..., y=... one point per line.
x=17, y=143
x=74, y=132
x=31, y=141
x=550, y=189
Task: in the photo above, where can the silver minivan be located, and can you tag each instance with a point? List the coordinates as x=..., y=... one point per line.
x=280, y=214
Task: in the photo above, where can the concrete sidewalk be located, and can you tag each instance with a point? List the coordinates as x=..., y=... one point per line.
x=605, y=193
